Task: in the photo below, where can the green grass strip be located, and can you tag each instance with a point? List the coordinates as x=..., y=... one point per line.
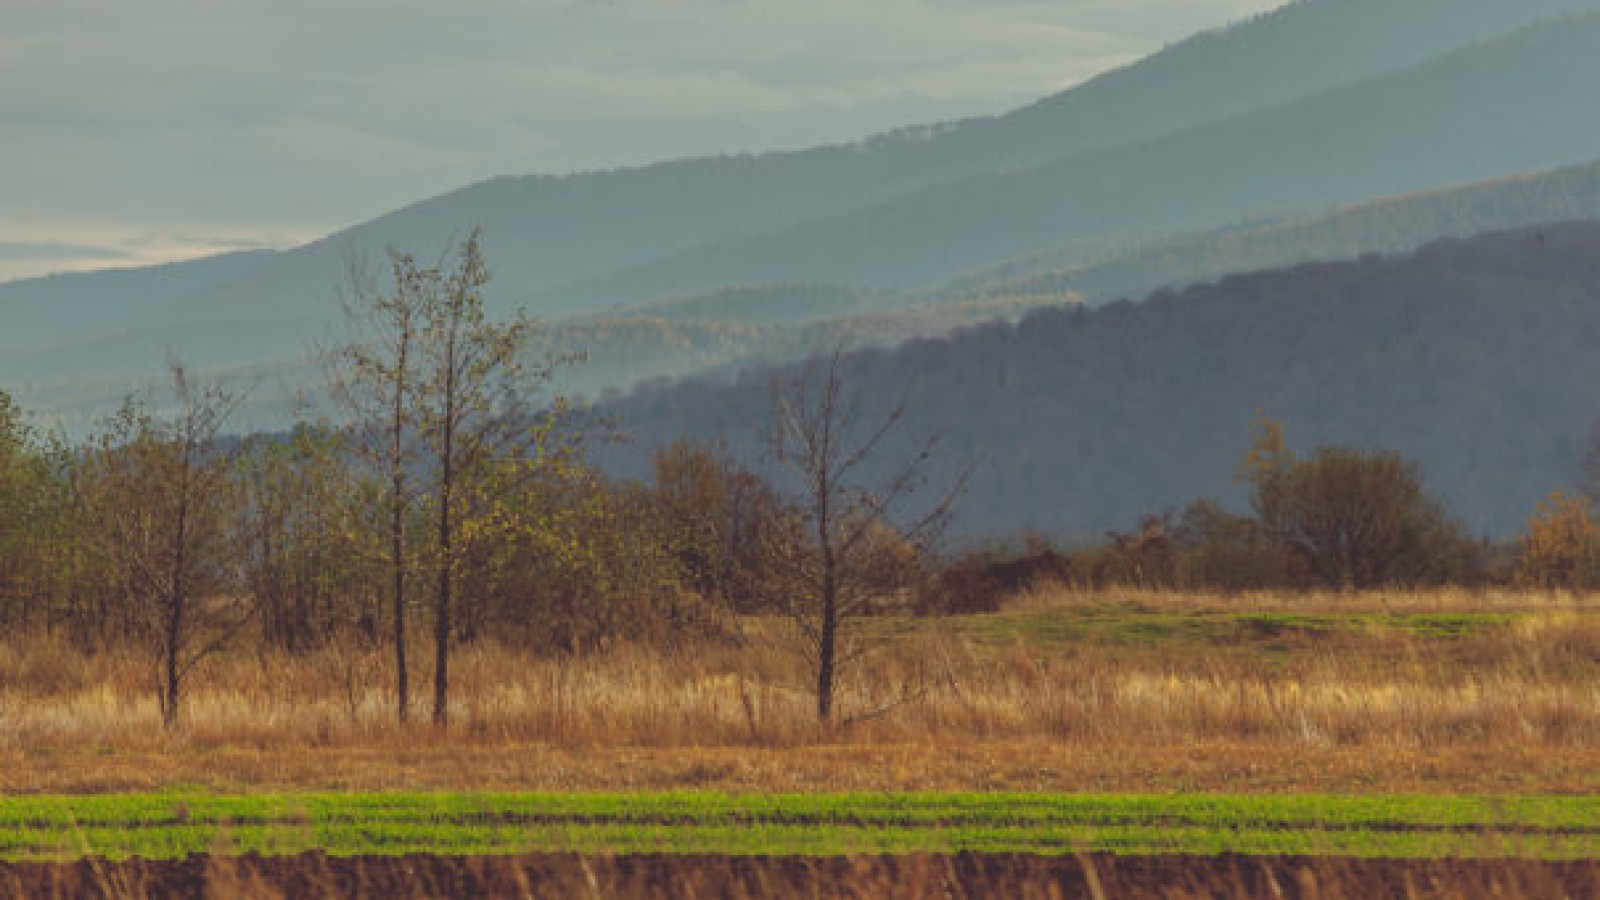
x=1122, y=626
x=178, y=824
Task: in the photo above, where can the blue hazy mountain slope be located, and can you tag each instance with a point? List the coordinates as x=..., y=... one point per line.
x=908, y=207
x=1525, y=102
x=1390, y=224
x=1473, y=357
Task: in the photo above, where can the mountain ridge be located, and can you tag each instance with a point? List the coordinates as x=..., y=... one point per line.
x=945, y=231
x=251, y=309
x=1473, y=357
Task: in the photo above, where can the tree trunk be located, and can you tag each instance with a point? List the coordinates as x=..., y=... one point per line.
x=397, y=559
x=826, y=656
x=441, y=631
x=175, y=603
x=441, y=622
x=828, y=637
x=397, y=518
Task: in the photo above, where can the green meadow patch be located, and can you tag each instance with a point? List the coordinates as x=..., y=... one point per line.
x=1134, y=626
x=179, y=824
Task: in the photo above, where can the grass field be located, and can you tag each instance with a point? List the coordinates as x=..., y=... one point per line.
x=172, y=825
x=1121, y=691
x=1331, y=734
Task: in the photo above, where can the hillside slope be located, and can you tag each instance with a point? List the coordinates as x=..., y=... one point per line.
x=551, y=232
x=1516, y=105
x=1474, y=357
x=545, y=232
x=1392, y=224
x=1095, y=166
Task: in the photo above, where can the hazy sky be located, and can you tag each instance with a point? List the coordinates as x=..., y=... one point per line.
x=136, y=130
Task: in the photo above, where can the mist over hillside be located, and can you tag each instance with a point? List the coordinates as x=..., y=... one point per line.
x=554, y=237
x=1519, y=104
x=1474, y=357
x=1319, y=104
x=1392, y=224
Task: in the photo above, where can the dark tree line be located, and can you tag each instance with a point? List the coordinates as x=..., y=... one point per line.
x=1339, y=518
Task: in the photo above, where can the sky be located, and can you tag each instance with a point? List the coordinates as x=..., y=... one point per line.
x=139, y=132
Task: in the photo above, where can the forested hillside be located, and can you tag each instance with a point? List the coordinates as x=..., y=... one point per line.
x=1474, y=357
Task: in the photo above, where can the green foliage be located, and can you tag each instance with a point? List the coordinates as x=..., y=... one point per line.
x=1217, y=550
x=1358, y=518
x=32, y=522
x=302, y=542
x=570, y=561
x=720, y=522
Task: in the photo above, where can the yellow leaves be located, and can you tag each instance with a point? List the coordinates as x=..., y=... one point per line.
x=1562, y=546
x=1268, y=454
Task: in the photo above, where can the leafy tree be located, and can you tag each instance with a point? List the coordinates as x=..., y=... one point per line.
x=30, y=495
x=1218, y=550
x=1358, y=518
x=1561, y=548
x=457, y=400
x=14, y=506
x=296, y=536
x=575, y=562
x=716, y=518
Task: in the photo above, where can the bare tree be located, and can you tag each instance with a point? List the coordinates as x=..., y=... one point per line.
x=375, y=381
x=166, y=500
x=857, y=536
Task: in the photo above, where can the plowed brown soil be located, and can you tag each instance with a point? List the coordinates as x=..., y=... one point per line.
x=961, y=876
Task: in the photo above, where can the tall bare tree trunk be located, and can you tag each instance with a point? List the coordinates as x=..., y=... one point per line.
x=397, y=526
x=446, y=548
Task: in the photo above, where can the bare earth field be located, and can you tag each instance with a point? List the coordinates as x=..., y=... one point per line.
x=744, y=878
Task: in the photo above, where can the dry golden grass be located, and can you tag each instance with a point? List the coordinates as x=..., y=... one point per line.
x=1512, y=704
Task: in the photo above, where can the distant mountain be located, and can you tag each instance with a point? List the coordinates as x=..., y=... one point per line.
x=625, y=350
x=732, y=328
x=1210, y=129
x=1518, y=104
x=1393, y=224
x=549, y=234
x=1474, y=357
x=764, y=304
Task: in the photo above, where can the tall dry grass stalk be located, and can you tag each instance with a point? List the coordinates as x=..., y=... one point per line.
x=1529, y=684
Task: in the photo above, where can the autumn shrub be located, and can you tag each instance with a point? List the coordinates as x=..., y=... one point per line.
x=1561, y=548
